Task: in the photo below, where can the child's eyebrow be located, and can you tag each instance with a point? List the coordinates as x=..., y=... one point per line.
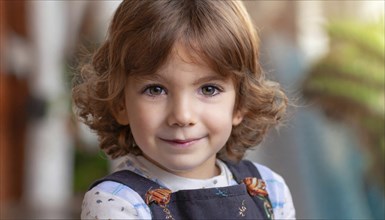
x=160, y=78
x=213, y=77
x=153, y=76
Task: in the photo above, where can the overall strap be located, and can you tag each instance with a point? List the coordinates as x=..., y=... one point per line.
x=243, y=169
x=135, y=181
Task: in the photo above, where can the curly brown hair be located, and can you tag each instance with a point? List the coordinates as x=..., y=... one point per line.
x=141, y=37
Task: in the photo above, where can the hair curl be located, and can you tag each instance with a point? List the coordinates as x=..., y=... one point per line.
x=141, y=38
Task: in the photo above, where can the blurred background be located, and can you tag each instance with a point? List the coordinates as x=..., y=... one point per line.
x=327, y=55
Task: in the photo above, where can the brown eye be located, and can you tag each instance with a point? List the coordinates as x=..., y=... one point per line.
x=154, y=90
x=210, y=90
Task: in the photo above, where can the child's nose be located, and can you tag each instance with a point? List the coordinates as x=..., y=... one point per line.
x=181, y=112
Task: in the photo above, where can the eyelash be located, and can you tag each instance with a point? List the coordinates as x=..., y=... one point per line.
x=217, y=90
x=147, y=90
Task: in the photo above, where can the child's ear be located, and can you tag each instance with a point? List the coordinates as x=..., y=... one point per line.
x=238, y=117
x=121, y=115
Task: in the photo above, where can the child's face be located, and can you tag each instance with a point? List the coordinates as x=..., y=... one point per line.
x=181, y=116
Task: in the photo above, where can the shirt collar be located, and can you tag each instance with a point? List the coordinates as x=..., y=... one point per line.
x=143, y=167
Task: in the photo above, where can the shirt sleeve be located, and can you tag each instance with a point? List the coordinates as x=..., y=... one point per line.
x=111, y=200
x=279, y=193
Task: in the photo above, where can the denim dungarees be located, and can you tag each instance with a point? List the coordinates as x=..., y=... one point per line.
x=232, y=202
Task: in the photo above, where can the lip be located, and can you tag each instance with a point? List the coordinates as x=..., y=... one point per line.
x=181, y=142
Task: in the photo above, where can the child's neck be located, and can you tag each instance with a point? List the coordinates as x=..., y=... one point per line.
x=199, y=174
x=191, y=174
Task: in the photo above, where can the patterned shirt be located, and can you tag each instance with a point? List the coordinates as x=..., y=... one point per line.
x=112, y=200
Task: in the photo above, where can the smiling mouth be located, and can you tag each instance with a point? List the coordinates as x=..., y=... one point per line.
x=181, y=143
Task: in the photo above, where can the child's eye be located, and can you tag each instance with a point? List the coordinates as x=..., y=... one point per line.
x=154, y=90
x=210, y=90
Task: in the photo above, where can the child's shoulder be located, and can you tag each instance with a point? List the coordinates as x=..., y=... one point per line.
x=279, y=192
x=110, y=198
x=114, y=189
x=268, y=174
x=275, y=183
x=246, y=167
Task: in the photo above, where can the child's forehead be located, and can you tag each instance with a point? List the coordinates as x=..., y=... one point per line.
x=181, y=58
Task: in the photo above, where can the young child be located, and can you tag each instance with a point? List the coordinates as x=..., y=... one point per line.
x=177, y=90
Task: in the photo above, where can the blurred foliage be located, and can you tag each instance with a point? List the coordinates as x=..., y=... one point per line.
x=348, y=83
x=89, y=166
